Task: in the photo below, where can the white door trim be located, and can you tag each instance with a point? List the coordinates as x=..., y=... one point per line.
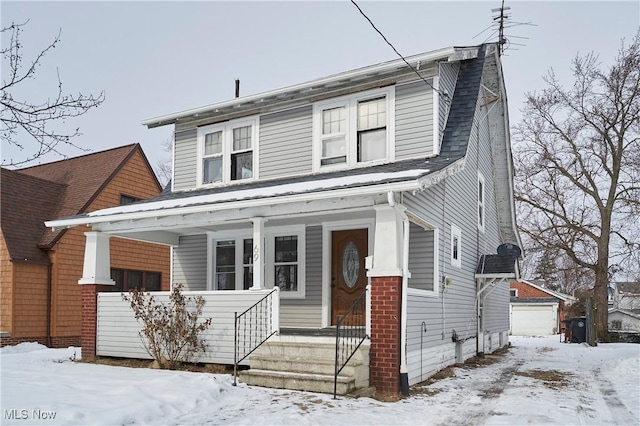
x=327, y=229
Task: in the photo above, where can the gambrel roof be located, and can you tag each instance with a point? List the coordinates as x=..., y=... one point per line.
x=413, y=174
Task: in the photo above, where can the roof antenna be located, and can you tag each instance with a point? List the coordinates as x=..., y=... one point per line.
x=237, y=87
x=500, y=20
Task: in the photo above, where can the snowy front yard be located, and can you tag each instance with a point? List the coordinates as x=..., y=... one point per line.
x=539, y=381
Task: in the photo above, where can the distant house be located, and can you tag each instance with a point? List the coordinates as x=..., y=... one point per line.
x=624, y=315
x=376, y=195
x=40, y=268
x=535, y=310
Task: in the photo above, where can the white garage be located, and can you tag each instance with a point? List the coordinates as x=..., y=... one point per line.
x=534, y=319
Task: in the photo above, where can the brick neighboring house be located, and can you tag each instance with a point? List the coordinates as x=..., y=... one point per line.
x=535, y=310
x=40, y=268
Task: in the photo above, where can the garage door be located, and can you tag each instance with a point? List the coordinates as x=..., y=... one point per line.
x=534, y=320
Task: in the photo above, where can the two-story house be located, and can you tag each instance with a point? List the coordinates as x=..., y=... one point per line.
x=387, y=188
x=39, y=268
x=624, y=315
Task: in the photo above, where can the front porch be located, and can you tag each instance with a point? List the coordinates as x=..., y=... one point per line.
x=320, y=255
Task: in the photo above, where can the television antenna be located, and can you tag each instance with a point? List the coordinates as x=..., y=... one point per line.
x=502, y=22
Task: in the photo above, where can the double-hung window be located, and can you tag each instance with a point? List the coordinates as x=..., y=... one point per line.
x=232, y=256
x=354, y=130
x=372, y=130
x=227, y=151
x=232, y=263
x=285, y=262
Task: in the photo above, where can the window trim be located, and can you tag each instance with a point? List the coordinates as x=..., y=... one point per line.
x=282, y=231
x=144, y=273
x=227, y=149
x=351, y=138
x=482, y=218
x=515, y=292
x=456, y=232
x=238, y=237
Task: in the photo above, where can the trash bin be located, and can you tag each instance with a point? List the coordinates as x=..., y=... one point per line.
x=578, y=327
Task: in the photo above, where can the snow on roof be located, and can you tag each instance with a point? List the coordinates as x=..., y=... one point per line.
x=263, y=192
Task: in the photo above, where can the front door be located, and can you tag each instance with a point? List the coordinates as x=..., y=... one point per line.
x=348, y=275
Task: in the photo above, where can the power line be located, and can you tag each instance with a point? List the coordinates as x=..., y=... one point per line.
x=440, y=92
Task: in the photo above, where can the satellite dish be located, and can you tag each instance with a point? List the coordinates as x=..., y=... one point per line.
x=509, y=249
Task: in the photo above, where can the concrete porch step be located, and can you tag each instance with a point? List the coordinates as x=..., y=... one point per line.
x=309, y=351
x=302, y=365
x=307, y=366
x=321, y=383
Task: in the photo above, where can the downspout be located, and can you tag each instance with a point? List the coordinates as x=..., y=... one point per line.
x=480, y=299
x=49, y=296
x=404, y=372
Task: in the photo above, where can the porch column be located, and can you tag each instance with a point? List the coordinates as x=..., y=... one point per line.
x=96, y=277
x=386, y=302
x=258, y=250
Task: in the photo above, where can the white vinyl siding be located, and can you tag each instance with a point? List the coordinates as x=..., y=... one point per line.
x=190, y=262
x=307, y=312
x=185, y=159
x=421, y=258
x=285, y=143
x=414, y=121
x=117, y=328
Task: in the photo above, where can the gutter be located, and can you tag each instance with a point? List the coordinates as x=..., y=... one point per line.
x=379, y=68
x=230, y=205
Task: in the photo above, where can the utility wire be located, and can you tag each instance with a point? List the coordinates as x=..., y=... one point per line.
x=440, y=92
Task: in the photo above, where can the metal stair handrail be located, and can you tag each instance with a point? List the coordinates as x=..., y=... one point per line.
x=261, y=323
x=350, y=333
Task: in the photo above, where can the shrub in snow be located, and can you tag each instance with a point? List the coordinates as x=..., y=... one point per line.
x=170, y=331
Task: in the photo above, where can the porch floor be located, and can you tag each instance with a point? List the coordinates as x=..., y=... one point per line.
x=320, y=332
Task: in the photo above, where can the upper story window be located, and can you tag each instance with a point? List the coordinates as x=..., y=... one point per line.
x=227, y=151
x=354, y=130
x=127, y=199
x=481, y=212
x=456, y=246
x=513, y=292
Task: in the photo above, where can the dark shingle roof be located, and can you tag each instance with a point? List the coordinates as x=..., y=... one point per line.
x=463, y=106
x=27, y=202
x=490, y=264
x=33, y=195
x=84, y=177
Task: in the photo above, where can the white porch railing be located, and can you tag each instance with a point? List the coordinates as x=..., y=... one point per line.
x=117, y=328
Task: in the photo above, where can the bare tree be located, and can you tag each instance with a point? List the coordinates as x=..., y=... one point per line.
x=577, y=156
x=32, y=120
x=164, y=166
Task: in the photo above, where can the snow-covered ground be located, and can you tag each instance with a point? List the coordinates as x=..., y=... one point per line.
x=538, y=381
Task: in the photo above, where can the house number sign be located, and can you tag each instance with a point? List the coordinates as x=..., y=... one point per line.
x=350, y=264
x=256, y=253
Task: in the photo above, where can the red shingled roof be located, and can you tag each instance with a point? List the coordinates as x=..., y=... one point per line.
x=53, y=190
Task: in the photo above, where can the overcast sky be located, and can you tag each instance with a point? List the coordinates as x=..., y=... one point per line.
x=156, y=58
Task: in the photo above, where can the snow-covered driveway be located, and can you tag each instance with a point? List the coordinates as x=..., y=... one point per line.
x=538, y=381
